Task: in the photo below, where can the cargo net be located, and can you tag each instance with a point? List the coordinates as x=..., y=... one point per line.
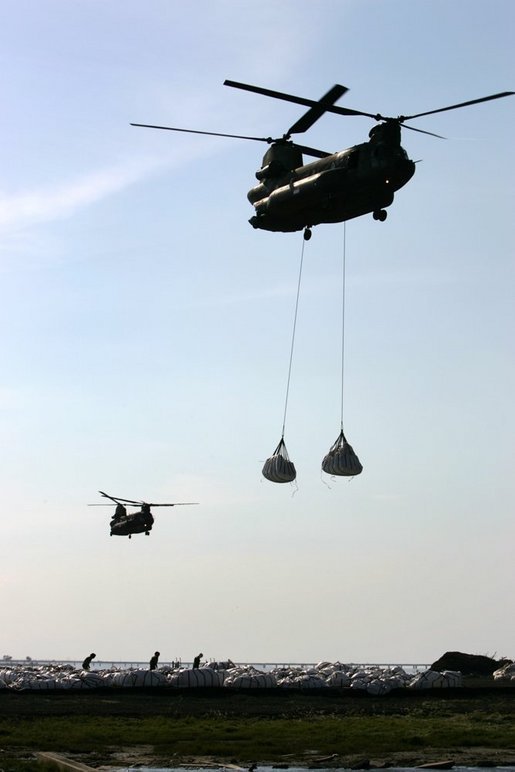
x=278, y=468
x=341, y=459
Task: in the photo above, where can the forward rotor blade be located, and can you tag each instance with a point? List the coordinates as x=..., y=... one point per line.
x=209, y=133
x=270, y=93
x=117, y=499
x=295, y=99
x=461, y=104
x=312, y=151
x=314, y=113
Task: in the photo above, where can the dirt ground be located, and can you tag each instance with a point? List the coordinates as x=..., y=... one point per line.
x=144, y=756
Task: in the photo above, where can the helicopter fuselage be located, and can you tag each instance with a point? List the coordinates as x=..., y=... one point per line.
x=135, y=522
x=292, y=196
x=339, y=187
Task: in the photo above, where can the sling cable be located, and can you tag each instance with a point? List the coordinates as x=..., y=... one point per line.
x=341, y=459
x=278, y=468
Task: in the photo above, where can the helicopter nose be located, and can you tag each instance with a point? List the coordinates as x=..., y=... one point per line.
x=404, y=171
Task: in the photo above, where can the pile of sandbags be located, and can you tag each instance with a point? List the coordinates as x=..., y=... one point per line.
x=341, y=459
x=278, y=468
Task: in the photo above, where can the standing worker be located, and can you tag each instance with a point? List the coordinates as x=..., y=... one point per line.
x=153, y=660
x=87, y=661
x=196, y=661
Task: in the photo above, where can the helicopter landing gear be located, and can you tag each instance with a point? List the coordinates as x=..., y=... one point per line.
x=130, y=535
x=307, y=234
x=380, y=214
x=147, y=533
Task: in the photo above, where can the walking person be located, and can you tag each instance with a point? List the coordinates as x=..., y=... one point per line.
x=87, y=662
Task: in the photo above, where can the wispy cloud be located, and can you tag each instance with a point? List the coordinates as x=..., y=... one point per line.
x=28, y=208
x=20, y=211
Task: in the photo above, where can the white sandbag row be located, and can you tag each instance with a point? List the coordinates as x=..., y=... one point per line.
x=38, y=678
x=374, y=680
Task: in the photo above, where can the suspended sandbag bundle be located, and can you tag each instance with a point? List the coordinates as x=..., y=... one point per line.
x=278, y=468
x=341, y=459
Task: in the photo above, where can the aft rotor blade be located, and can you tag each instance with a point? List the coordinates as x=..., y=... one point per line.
x=421, y=131
x=176, y=504
x=461, y=104
x=195, y=131
x=314, y=113
x=295, y=99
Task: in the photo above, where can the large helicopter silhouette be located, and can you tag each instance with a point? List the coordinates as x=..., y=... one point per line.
x=125, y=523
x=293, y=196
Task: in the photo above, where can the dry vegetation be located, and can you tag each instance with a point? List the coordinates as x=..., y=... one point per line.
x=470, y=726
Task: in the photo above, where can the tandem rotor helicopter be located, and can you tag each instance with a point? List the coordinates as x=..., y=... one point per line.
x=293, y=196
x=125, y=523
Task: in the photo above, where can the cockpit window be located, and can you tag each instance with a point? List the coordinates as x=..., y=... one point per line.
x=352, y=161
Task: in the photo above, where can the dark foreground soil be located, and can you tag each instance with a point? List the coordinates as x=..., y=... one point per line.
x=489, y=707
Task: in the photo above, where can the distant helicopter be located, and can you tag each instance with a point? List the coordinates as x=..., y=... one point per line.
x=124, y=523
x=292, y=196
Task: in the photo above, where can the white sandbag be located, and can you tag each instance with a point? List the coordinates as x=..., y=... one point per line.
x=506, y=673
x=324, y=666
x=433, y=679
x=341, y=459
x=302, y=682
x=453, y=677
x=377, y=686
x=73, y=682
x=278, y=468
x=225, y=664
x=9, y=676
x=86, y=679
x=198, y=677
x=338, y=679
x=137, y=678
x=40, y=684
x=251, y=681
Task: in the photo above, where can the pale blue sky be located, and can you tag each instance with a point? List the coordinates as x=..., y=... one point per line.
x=146, y=332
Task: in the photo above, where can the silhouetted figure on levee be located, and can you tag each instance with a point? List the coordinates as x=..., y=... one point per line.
x=196, y=661
x=87, y=661
x=153, y=660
